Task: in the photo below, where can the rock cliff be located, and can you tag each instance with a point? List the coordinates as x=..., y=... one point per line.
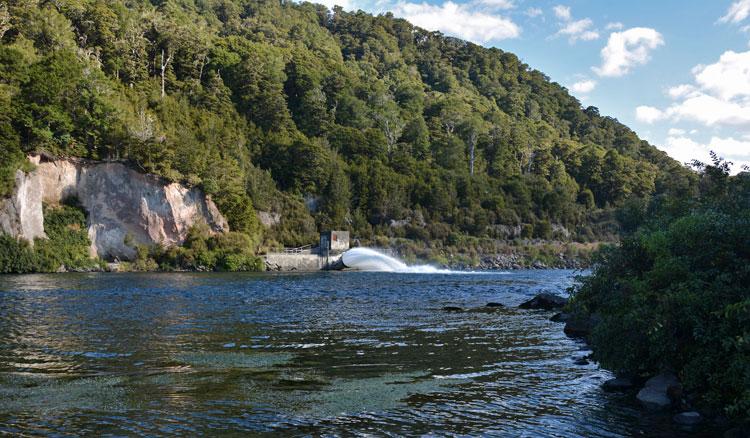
x=124, y=207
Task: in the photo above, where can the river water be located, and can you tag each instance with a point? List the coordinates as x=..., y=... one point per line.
x=338, y=353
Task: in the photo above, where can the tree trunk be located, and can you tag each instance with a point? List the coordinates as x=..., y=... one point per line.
x=164, y=70
x=472, y=146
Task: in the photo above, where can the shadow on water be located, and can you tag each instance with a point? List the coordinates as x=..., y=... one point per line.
x=324, y=353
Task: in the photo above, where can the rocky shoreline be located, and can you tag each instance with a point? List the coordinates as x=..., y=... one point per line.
x=506, y=262
x=662, y=394
x=659, y=395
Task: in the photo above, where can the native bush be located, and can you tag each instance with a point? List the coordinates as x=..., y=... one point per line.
x=674, y=295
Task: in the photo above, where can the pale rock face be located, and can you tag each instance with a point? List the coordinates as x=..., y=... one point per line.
x=269, y=219
x=121, y=205
x=21, y=214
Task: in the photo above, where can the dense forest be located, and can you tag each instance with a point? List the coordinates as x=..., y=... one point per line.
x=674, y=293
x=327, y=118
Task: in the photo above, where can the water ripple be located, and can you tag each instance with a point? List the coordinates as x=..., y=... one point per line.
x=361, y=354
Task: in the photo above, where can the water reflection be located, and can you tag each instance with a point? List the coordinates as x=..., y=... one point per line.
x=328, y=353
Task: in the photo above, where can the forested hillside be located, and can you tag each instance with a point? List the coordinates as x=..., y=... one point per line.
x=329, y=118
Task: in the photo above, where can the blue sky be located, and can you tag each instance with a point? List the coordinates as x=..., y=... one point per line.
x=677, y=72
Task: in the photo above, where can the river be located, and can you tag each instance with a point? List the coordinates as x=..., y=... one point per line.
x=334, y=353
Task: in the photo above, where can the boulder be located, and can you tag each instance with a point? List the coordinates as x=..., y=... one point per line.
x=655, y=394
x=494, y=305
x=546, y=301
x=578, y=326
x=560, y=317
x=690, y=418
x=619, y=384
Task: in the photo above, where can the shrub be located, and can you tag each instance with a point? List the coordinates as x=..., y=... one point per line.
x=527, y=231
x=675, y=295
x=67, y=245
x=16, y=256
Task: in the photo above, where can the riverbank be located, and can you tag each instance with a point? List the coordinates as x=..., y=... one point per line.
x=478, y=254
x=491, y=254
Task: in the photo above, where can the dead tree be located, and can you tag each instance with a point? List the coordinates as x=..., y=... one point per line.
x=164, y=64
x=472, y=146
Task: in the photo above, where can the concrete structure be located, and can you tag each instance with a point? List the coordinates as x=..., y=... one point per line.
x=298, y=261
x=334, y=242
x=306, y=258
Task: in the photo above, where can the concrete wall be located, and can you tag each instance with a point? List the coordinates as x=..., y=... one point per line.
x=296, y=262
x=335, y=241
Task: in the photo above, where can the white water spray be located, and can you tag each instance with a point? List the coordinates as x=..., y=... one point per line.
x=366, y=259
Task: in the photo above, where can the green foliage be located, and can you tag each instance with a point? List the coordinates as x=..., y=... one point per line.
x=16, y=256
x=360, y=120
x=202, y=251
x=66, y=246
x=674, y=293
x=67, y=242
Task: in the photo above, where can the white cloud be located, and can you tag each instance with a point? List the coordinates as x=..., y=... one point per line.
x=719, y=96
x=562, y=12
x=728, y=78
x=674, y=132
x=534, y=12
x=496, y=4
x=737, y=12
x=683, y=90
x=579, y=30
x=614, y=26
x=574, y=29
x=584, y=87
x=731, y=149
x=685, y=149
x=458, y=20
x=648, y=114
x=627, y=49
x=710, y=111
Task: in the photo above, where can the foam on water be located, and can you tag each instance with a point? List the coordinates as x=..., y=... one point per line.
x=366, y=259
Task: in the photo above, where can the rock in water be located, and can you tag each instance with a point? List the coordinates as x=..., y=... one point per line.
x=618, y=384
x=578, y=326
x=688, y=418
x=560, y=317
x=655, y=394
x=494, y=305
x=546, y=301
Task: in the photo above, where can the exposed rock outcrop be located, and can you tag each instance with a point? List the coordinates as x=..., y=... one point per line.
x=21, y=213
x=124, y=207
x=269, y=219
x=655, y=394
x=546, y=301
x=690, y=418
